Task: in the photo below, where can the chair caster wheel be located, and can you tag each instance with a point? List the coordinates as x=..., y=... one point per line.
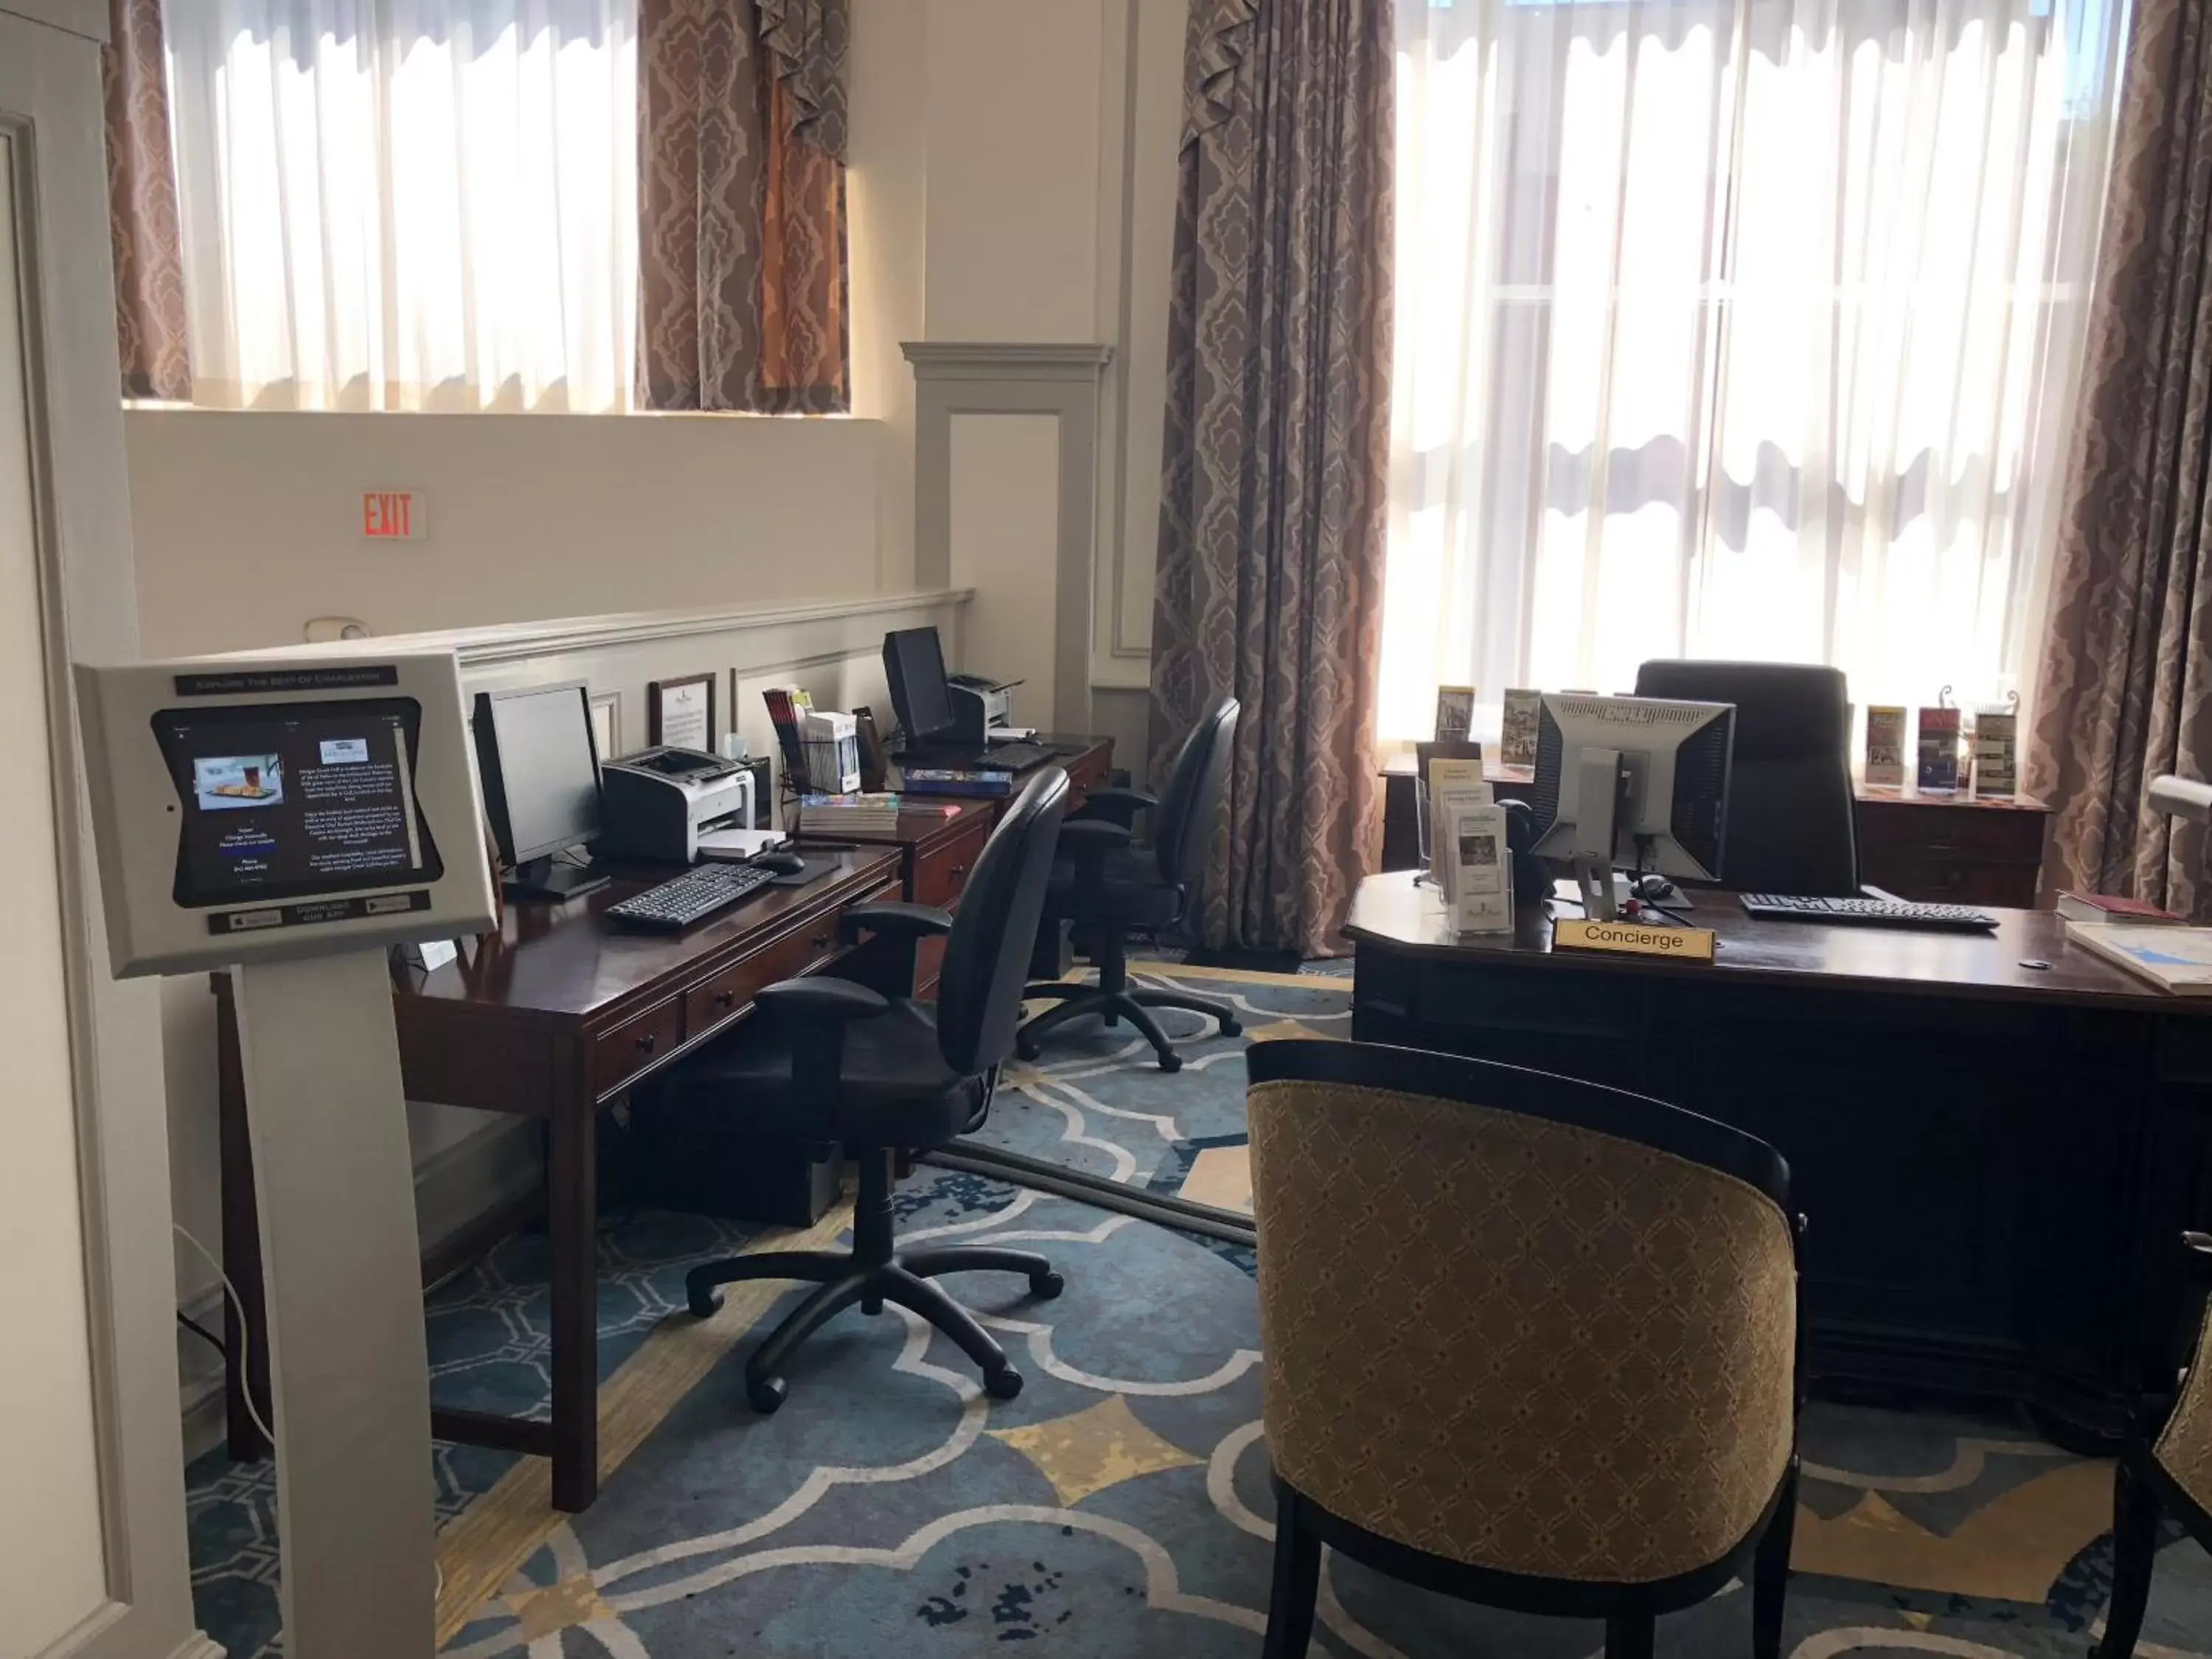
x=1230, y=1027
x=766, y=1394
x=1045, y=1286
x=1004, y=1383
x=705, y=1303
x=1170, y=1062
x=1028, y=1051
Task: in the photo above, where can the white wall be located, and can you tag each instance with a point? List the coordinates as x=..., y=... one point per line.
x=248, y=524
x=1014, y=158
x=1006, y=531
x=886, y=195
x=1054, y=133
x=51, y=1572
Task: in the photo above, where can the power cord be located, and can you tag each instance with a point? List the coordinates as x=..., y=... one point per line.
x=244, y=1342
x=246, y=1384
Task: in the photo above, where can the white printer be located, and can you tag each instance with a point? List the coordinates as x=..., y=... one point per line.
x=655, y=804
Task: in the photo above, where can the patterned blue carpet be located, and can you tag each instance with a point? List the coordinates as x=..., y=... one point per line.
x=1119, y=1506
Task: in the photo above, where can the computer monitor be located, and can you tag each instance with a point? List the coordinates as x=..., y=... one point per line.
x=1637, y=780
x=541, y=783
x=913, y=664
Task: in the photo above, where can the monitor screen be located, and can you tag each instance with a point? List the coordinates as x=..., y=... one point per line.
x=295, y=801
x=541, y=770
x=914, y=662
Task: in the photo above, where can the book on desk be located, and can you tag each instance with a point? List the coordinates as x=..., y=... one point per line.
x=2176, y=959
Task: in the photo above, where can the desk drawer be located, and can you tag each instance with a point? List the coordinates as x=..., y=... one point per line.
x=621, y=1054
x=1086, y=772
x=940, y=875
x=1936, y=881
x=729, y=992
x=1951, y=834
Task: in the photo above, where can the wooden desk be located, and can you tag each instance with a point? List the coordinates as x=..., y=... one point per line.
x=1996, y=1159
x=1950, y=849
x=557, y=1019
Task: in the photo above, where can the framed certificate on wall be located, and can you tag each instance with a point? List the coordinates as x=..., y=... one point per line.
x=681, y=713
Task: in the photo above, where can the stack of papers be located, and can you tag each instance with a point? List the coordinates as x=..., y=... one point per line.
x=735, y=846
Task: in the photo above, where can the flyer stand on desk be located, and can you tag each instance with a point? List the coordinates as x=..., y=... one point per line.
x=291, y=817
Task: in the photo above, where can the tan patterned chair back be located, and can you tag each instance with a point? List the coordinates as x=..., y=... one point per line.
x=2183, y=1447
x=1516, y=1342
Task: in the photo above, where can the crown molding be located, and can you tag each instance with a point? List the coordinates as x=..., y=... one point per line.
x=1005, y=360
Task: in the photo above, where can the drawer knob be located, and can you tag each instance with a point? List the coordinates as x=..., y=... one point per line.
x=726, y=999
x=647, y=1043
x=958, y=870
x=820, y=941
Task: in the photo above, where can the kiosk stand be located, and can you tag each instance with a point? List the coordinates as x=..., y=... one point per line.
x=292, y=818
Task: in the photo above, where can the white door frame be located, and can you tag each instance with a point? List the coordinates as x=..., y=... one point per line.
x=51, y=111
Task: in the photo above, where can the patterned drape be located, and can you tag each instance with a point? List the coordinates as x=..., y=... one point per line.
x=141, y=206
x=1274, y=497
x=2128, y=661
x=741, y=204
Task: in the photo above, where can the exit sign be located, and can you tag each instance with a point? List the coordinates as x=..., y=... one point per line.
x=394, y=515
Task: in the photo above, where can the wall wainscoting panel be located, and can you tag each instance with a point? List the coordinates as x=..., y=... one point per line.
x=966, y=379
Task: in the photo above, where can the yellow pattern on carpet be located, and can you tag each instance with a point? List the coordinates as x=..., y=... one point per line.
x=1094, y=1449
x=1221, y=1176
x=488, y=1542
x=2013, y=1548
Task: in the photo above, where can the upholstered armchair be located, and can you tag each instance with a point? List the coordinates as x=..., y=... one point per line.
x=1529, y=1341
x=2166, y=1469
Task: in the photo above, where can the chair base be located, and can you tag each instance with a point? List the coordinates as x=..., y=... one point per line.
x=871, y=1274
x=1631, y=1611
x=1113, y=1007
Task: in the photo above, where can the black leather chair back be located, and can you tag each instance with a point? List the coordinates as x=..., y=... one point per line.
x=1792, y=823
x=986, y=956
x=1193, y=795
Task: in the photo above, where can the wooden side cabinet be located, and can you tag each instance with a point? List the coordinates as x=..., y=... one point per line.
x=1951, y=848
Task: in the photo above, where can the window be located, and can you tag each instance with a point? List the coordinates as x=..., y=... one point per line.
x=1736, y=328
x=408, y=204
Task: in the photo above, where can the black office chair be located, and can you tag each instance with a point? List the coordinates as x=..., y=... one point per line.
x=1107, y=887
x=1792, y=823
x=835, y=1065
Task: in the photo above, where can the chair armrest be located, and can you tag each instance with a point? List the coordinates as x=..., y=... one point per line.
x=1114, y=804
x=816, y=1011
x=2196, y=1258
x=821, y=1001
x=896, y=917
x=1088, y=841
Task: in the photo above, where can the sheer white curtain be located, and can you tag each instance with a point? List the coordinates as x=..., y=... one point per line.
x=419, y=204
x=1734, y=328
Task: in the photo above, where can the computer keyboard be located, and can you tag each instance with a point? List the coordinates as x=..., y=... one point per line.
x=1872, y=912
x=691, y=897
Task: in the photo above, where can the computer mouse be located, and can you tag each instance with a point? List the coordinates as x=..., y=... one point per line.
x=783, y=863
x=1655, y=887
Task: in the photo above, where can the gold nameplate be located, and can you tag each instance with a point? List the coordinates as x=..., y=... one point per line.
x=1635, y=937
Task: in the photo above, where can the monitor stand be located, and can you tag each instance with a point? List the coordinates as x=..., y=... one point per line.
x=551, y=879
x=1597, y=818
